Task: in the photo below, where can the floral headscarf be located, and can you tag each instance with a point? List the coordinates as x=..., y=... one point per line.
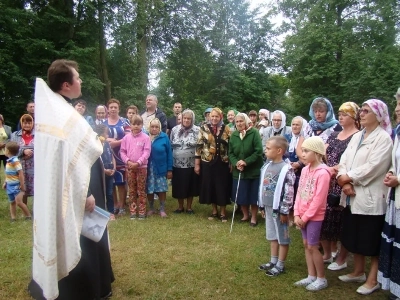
x=350, y=108
x=155, y=120
x=247, y=122
x=294, y=141
x=26, y=117
x=283, y=123
x=330, y=116
x=220, y=123
x=185, y=130
x=381, y=112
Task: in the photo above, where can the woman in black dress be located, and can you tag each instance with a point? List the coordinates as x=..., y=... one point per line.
x=212, y=164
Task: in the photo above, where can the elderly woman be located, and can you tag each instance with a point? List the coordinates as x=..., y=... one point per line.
x=389, y=258
x=212, y=164
x=159, y=167
x=278, y=127
x=336, y=145
x=185, y=182
x=362, y=170
x=298, y=125
x=263, y=117
x=25, y=139
x=245, y=155
x=101, y=114
x=118, y=127
x=5, y=135
x=230, y=116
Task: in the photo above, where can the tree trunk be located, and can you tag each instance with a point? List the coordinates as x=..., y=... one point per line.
x=141, y=47
x=103, y=51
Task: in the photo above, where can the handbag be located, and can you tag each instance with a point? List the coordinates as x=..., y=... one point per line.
x=333, y=200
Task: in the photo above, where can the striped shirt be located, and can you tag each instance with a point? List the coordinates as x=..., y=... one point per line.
x=12, y=167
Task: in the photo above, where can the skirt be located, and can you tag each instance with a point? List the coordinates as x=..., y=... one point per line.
x=248, y=191
x=389, y=258
x=215, y=183
x=155, y=183
x=361, y=234
x=185, y=183
x=332, y=224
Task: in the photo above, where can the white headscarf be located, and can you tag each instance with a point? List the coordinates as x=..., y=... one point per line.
x=247, y=122
x=294, y=141
x=283, y=123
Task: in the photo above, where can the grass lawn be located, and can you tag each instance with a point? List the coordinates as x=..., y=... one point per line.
x=180, y=257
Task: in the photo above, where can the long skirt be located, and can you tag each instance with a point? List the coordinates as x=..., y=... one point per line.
x=389, y=258
x=215, y=183
x=185, y=183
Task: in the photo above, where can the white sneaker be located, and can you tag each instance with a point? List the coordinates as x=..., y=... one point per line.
x=335, y=267
x=304, y=282
x=317, y=285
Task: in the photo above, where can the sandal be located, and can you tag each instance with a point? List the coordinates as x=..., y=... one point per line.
x=179, y=211
x=213, y=216
x=224, y=219
x=190, y=211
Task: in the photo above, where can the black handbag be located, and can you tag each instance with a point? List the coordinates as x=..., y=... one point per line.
x=333, y=200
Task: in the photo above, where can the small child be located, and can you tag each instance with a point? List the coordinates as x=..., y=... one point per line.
x=14, y=182
x=109, y=166
x=309, y=210
x=135, y=152
x=276, y=196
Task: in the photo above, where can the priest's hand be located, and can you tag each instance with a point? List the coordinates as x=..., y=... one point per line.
x=90, y=203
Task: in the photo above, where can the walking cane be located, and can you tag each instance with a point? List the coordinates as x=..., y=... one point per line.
x=234, y=207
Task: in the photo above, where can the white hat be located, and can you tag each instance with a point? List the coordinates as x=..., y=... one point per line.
x=315, y=144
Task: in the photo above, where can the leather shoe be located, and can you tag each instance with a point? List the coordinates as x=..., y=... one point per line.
x=346, y=278
x=366, y=291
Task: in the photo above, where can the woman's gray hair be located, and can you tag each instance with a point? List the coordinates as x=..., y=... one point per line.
x=189, y=112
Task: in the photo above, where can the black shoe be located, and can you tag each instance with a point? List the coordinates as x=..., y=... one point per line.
x=253, y=224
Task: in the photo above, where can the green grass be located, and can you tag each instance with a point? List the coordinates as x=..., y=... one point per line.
x=181, y=257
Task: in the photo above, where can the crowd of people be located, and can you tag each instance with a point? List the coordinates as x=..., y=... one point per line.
x=336, y=179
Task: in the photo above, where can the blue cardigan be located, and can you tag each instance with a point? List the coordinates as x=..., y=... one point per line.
x=161, y=155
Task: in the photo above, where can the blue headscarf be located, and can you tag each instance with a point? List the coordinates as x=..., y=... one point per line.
x=330, y=116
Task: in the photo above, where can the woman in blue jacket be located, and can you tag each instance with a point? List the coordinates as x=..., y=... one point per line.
x=159, y=167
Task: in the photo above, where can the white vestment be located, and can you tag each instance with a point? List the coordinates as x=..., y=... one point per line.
x=65, y=149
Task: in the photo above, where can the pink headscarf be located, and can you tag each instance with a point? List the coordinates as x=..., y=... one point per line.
x=381, y=111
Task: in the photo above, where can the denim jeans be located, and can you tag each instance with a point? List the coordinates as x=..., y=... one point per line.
x=109, y=193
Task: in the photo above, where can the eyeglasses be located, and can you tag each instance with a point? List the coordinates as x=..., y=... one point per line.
x=364, y=111
x=276, y=120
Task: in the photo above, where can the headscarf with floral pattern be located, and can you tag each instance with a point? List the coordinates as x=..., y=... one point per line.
x=381, y=112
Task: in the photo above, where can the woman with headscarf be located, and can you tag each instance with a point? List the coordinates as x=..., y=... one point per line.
x=159, y=167
x=263, y=117
x=245, y=156
x=323, y=121
x=361, y=175
x=230, y=116
x=25, y=139
x=185, y=182
x=336, y=145
x=389, y=257
x=278, y=127
x=212, y=164
x=298, y=125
